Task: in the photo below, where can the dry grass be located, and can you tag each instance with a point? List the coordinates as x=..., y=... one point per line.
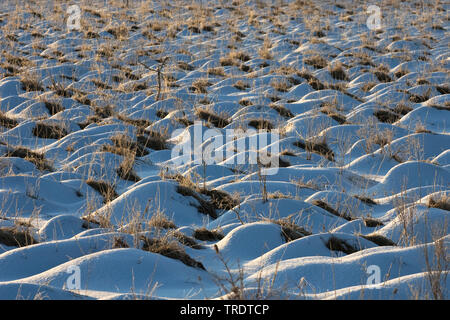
x=124, y=146
x=290, y=230
x=366, y=200
x=310, y=184
x=245, y=102
x=386, y=116
x=438, y=107
x=119, y=243
x=161, y=114
x=441, y=203
x=105, y=51
x=139, y=123
x=119, y=31
x=159, y=220
x=218, y=200
x=152, y=140
x=372, y=223
x=239, y=55
x=330, y=110
x=7, y=122
x=217, y=71
x=316, y=61
x=104, y=188
x=382, y=75
x=184, y=121
x=185, y=66
x=378, y=239
x=89, y=222
x=126, y=172
x=260, y=124
x=241, y=85
x=49, y=131
x=38, y=159
x=322, y=204
x=288, y=153
x=11, y=70
x=60, y=89
x=281, y=85
x=443, y=89
x=282, y=111
x=204, y=234
x=368, y=86
x=337, y=72
x=200, y=86
x=205, y=207
x=278, y=195
x=212, y=118
x=16, y=237
x=53, y=107
x=319, y=147
x=264, y=51
x=400, y=73
x=421, y=129
x=184, y=239
x=336, y=244
x=31, y=83
x=402, y=109
x=437, y=267
x=316, y=84
x=17, y=60
x=418, y=98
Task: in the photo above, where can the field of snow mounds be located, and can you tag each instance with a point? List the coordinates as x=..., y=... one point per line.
x=348, y=198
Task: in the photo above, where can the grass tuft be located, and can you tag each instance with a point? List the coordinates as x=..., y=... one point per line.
x=378, y=239
x=212, y=118
x=386, y=116
x=36, y=158
x=260, y=124
x=440, y=203
x=7, y=122
x=170, y=249
x=104, y=188
x=320, y=148
x=322, y=204
x=152, y=140
x=204, y=234
x=49, y=131
x=336, y=244
x=16, y=237
x=289, y=230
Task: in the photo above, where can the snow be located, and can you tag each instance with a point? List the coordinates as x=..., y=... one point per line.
x=369, y=187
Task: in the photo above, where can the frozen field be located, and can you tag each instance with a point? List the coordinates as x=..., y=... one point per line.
x=101, y=102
